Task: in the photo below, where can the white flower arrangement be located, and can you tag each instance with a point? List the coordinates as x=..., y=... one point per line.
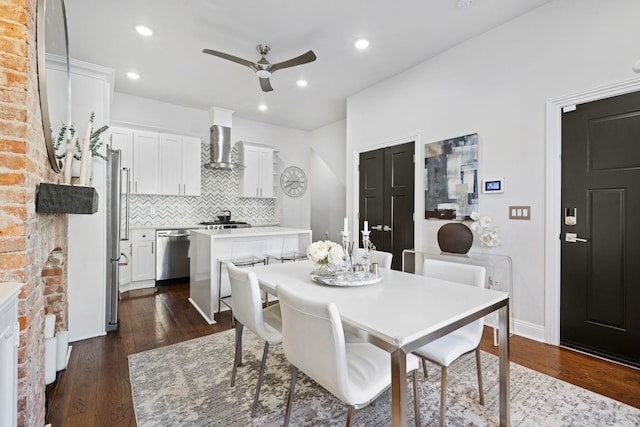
x=489, y=236
x=325, y=252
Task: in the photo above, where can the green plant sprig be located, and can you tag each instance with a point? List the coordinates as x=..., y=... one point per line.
x=94, y=140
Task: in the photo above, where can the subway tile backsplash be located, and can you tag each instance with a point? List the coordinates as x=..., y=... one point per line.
x=219, y=191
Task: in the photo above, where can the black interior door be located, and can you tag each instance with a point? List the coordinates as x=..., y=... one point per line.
x=387, y=198
x=600, y=289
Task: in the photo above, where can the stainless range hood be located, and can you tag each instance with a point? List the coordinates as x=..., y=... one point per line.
x=220, y=138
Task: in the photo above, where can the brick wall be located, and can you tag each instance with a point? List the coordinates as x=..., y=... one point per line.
x=26, y=239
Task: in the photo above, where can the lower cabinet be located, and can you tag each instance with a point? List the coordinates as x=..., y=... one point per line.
x=143, y=258
x=125, y=264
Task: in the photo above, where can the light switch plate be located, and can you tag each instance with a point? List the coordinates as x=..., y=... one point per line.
x=520, y=212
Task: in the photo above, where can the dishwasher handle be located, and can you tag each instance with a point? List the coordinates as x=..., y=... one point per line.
x=172, y=234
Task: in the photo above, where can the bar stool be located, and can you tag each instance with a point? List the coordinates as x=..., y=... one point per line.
x=289, y=251
x=240, y=258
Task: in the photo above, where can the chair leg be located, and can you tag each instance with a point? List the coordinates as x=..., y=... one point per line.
x=350, y=414
x=416, y=398
x=479, y=366
x=443, y=395
x=424, y=368
x=260, y=378
x=292, y=386
x=237, y=360
x=219, y=288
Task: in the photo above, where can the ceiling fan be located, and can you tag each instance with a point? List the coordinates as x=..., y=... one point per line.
x=262, y=67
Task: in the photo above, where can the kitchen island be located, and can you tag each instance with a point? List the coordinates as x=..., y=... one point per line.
x=208, y=247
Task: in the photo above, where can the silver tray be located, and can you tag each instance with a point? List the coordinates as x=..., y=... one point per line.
x=346, y=281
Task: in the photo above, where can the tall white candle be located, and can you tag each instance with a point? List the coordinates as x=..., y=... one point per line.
x=86, y=157
x=346, y=225
x=68, y=158
x=366, y=225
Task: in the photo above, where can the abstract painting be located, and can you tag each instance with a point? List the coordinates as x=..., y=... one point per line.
x=451, y=177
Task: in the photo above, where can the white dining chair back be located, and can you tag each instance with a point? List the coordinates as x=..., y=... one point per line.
x=313, y=341
x=383, y=259
x=447, y=349
x=248, y=312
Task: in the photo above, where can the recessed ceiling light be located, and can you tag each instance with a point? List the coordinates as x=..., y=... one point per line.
x=262, y=107
x=133, y=76
x=463, y=4
x=362, y=44
x=301, y=83
x=145, y=31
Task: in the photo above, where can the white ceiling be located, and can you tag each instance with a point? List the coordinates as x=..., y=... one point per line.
x=173, y=68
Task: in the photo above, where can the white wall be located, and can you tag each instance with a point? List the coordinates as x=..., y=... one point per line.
x=328, y=180
x=497, y=85
x=293, y=145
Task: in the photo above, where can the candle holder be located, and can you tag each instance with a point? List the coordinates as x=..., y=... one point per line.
x=366, y=256
x=346, y=266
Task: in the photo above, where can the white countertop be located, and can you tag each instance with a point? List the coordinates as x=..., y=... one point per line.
x=251, y=232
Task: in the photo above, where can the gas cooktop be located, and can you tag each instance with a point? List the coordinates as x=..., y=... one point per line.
x=228, y=224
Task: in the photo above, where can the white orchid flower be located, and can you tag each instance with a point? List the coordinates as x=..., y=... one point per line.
x=485, y=222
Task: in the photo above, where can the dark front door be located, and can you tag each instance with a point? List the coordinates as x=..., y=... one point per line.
x=600, y=290
x=387, y=198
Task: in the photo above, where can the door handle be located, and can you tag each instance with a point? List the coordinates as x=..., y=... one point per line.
x=386, y=228
x=573, y=238
x=377, y=227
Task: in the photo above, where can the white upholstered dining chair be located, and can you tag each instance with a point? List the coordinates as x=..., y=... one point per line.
x=248, y=312
x=447, y=349
x=383, y=259
x=313, y=341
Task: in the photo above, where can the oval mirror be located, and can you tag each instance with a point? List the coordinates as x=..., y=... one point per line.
x=53, y=52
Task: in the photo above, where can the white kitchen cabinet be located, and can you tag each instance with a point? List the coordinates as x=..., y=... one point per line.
x=125, y=264
x=146, y=163
x=256, y=178
x=143, y=255
x=191, y=157
x=179, y=165
x=122, y=139
x=170, y=165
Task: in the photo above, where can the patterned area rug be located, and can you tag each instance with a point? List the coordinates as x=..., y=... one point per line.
x=187, y=384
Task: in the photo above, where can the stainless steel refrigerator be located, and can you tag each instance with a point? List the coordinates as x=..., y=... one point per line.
x=116, y=230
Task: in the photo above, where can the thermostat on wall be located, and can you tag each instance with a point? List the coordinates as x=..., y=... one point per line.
x=495, y=185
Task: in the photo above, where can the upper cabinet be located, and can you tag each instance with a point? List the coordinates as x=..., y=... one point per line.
x=163, y=164
x=256, y=178
x=146, y=163
x=180, y=165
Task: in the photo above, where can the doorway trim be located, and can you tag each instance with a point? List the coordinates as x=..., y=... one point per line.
x=553, y=193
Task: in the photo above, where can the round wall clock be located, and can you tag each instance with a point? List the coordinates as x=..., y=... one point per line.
x=293, y=181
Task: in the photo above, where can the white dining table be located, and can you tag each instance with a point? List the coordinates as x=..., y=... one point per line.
x=400, y=314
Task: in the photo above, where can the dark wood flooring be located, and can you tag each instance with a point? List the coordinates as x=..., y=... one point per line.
x=95, y=391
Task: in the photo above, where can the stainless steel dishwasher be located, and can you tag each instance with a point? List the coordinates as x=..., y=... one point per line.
x=172, y=255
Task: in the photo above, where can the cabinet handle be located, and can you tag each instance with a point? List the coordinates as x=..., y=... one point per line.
x=152, y=251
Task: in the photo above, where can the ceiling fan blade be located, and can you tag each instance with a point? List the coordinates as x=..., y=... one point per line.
x=265, y=85
x=230, y=58
x=302, y=59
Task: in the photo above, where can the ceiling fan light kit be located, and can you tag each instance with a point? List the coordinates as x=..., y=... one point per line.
x=263, y=68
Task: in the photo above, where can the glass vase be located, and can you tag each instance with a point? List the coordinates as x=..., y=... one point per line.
x=323, y=269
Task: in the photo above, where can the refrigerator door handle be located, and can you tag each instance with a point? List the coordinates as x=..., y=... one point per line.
x=127, y=200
